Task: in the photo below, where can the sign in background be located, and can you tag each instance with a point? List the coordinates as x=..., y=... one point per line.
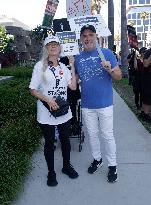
x=97, y=21
x=76, y=8
x=60, y=25
x=69, y=43
x=50, y=11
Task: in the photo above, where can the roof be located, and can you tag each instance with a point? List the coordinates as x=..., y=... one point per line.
x=5, y=21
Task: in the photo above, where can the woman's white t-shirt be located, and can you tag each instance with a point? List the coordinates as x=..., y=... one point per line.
x=53, y=82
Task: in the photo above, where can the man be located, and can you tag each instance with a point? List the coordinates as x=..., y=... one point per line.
x=97, y=98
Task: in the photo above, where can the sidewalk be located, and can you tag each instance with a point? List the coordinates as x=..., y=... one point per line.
x=134, y=170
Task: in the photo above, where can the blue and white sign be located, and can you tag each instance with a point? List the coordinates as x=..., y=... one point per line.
x=68, y=42
x=97, y=21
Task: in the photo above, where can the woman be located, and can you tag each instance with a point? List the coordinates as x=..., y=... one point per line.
x=137, y=81
x=146, y=86
x=50, y=79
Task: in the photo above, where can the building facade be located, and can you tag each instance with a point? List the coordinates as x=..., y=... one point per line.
x=135, y=8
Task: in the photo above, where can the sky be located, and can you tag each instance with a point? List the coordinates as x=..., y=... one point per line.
x=31, y=12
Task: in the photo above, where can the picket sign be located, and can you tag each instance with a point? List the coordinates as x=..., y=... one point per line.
x=75, y=8
x=97, y=21
x=68, y=42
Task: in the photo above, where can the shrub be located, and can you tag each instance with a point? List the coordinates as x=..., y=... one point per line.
x=19, y=134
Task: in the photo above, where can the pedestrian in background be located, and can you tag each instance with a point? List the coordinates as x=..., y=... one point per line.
x=137, y=81
x=146, y=87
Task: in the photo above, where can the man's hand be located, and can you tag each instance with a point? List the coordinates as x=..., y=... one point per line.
x=107, y=66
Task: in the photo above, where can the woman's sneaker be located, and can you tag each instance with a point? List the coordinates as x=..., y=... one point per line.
x=69, y=170
x=51, y=179
x=95, y=165
x=112, y=174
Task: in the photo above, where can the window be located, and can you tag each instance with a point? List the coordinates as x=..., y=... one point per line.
x=150, y=21
x=134, y=1
x=141, y=1
x=130, y=2
x=129, y=16
x=138, y=36
x=138, y=22
x=134, y=21
x=138, y=16
x=147, y=1
x=146, y=28
x=141, y=44
x=146, y=22
x=134, y=16
x=140, y=29
x=143, y=36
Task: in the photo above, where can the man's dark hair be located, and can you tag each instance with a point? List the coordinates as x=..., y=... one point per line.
x=89, y=27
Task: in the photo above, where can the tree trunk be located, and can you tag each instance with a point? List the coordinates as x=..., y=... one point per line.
x=124, y=42
x=111, y=23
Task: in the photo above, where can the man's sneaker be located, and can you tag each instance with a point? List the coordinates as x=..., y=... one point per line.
x=112, y=174
x=51, y=179
x=95, y=165
x=69, y=170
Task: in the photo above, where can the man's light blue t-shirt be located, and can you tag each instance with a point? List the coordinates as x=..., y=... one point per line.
x=96, y=82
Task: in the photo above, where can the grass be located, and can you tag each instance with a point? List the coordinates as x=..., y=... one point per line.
x=126, y=92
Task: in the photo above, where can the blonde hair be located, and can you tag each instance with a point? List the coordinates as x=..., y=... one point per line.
x=44, y=59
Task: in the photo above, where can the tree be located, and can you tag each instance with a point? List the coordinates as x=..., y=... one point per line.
x=111, y=23
x=124, y=42
x=96, y=5
x=5, y=40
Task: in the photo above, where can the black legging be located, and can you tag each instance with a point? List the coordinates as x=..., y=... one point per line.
x=49, y=136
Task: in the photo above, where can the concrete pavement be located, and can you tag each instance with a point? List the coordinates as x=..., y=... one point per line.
x=134, y=170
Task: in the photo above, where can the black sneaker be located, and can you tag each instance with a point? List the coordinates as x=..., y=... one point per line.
x=95, y=165
x=69, y=170
x=51, y=179
x=112, y=174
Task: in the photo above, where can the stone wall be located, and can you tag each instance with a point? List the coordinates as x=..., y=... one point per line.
x=26, y=47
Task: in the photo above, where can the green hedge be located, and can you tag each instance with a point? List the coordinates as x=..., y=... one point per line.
x=19, y=135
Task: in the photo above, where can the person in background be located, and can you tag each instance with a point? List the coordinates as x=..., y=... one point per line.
x=131, y=69
x=146, y=87
x=97, y=98
x=49, y=80
x=137, y=82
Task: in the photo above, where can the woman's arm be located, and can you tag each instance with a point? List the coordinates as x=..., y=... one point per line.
x=50, y=101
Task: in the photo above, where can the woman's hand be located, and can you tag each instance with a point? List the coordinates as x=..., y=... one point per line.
x=71, y=61
x=52, y=104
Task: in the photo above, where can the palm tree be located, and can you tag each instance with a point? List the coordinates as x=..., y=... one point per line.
x=124, y=42
x=111, y=23
x=96, y=5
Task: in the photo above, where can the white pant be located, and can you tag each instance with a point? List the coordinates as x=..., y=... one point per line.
x=96, y=120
